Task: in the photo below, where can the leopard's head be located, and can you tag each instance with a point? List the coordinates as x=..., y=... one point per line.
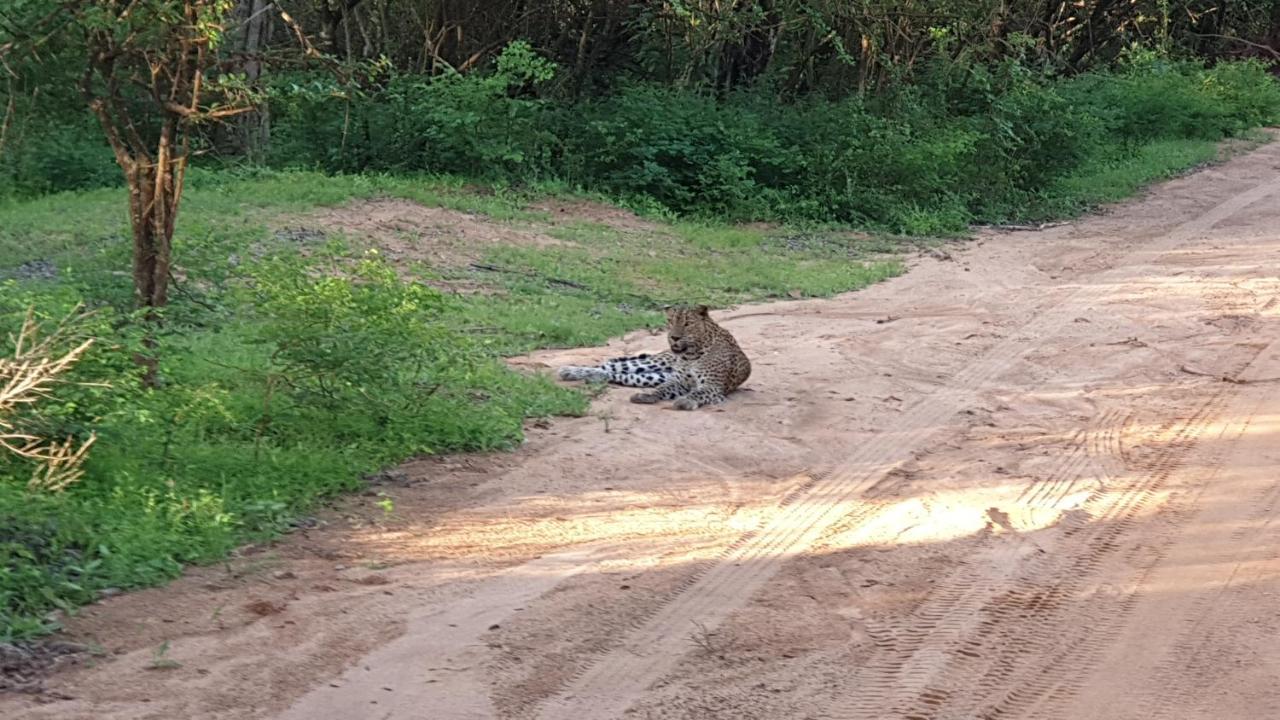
x=690, y=330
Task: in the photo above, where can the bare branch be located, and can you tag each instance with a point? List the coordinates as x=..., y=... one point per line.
x=1249, y=43
x=28, y=377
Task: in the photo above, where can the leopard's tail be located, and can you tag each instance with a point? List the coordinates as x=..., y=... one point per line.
x=587, y=374
x=645, y=371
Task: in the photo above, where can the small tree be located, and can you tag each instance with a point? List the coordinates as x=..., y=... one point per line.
x=148, y=79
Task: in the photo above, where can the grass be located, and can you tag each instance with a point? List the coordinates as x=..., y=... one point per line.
x=1107, y=182
x=609, y=282
x=223, y=211
x=1110, y=182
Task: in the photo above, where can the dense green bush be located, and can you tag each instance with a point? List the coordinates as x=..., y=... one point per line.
x=963, y=143
x=486, y=125
x=56, y=157
x=686, y=151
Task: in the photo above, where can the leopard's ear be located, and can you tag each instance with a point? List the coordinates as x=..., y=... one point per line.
x=703, y=310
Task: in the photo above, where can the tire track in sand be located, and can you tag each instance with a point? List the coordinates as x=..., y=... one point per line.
x=916, y=655
x=1025, y=633
x=1208, y=583
x=613, y=681
x=1028, y=651
x=1090, y=448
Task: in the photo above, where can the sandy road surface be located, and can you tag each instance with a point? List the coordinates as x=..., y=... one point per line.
x=1012, y=484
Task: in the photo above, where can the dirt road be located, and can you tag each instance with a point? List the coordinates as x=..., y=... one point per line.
x=1033, y=479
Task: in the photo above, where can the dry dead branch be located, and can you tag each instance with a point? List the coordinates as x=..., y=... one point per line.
x=28, y=376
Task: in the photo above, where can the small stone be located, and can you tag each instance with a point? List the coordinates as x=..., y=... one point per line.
x=63, y=647
x=36, y=270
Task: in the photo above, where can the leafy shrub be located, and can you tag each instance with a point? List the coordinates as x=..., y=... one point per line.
x=686, y=151
x=1248, y=91
x=41, y=565
x=335, y=339
x=486, y=125
x=56, y=157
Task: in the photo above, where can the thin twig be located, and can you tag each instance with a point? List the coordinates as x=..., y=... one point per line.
x=526, y=273
x=1037, y=227
x=27, y=377
x=1227, y=378
x=1257, y=46
x=1133, y=341
x=173, y=283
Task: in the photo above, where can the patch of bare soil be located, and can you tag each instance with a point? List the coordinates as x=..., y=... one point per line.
x=1010, y=483
x=406, y=232
x=562, y=212
x=24, y=666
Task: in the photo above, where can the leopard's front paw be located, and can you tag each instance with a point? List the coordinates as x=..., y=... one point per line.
x=645, y=398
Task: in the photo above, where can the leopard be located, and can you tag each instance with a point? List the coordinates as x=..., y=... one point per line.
x=704, y=364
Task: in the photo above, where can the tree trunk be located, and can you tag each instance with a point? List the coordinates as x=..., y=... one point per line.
x=747, y=57
x=248, y=134
x=255, y=126
x=150, y=252
x=155, y=185
x=155, y=188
